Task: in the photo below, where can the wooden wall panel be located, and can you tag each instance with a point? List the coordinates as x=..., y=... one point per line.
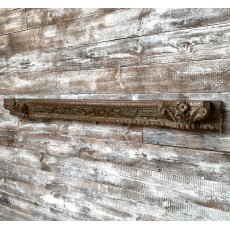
x=169, y=47
x=118, y=24
x=151, y=184
x=61, y=170
x=43, y=17
x=12, y=21
x=23, y=19
x=4, y=10
x=187, y=77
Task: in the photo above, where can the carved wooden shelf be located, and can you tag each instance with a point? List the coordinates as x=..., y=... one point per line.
x=175, y=114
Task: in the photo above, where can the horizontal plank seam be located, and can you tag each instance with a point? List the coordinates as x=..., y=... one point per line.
x=190, y=148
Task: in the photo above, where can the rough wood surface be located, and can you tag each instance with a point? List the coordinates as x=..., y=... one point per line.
x=4, y=10
x=198, y=76
x=12, y=21
x=168, y=47
x=62, y=170
x=118, y=24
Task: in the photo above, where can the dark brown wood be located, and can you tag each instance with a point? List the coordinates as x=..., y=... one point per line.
x=174, y=114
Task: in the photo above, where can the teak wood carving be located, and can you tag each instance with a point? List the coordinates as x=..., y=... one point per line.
x=175, y=114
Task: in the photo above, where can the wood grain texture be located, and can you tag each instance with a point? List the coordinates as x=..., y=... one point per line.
x=12, y=21
x=168, y=47
x=4, y=10
x=183, y=77
x=87, y=174
x=43, y=17
x=164, y=19
x=61, y=170
x=117, y=24
x=16, y=20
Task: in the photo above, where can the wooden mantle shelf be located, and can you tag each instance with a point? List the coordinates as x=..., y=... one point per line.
x=190, y=115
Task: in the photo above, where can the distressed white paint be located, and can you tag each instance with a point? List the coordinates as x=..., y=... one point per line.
x=78, y=171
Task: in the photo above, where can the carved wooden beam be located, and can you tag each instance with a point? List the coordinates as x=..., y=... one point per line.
x=175, y=114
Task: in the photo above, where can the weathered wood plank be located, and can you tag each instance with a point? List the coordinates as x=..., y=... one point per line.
x=163, y=19
x=60, y=208
x=4, y=10
x=154, y=196
x=146, y=205
x=56, y=199
x=35, y=210
x=195, y=140
x=117, y=208
x=79, y=130
x=13, y=21
x=9, y=214
x=90, y=208
x=32, y=152
x=186, y=77
x=110, y=26
x=171, y=47
x=79, y=196
x=16, y=20
x=43, y=17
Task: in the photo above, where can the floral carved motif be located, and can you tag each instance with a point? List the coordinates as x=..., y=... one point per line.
x=183, y=113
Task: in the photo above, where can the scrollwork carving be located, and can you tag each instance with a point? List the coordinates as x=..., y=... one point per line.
x=18, y=109
x=184, y=113
x=175, y=114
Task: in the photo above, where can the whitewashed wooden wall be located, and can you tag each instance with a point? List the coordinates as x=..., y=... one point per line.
x=80, y=171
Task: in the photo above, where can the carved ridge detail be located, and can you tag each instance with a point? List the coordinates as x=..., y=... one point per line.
x=174, y=114
x=183, y=113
